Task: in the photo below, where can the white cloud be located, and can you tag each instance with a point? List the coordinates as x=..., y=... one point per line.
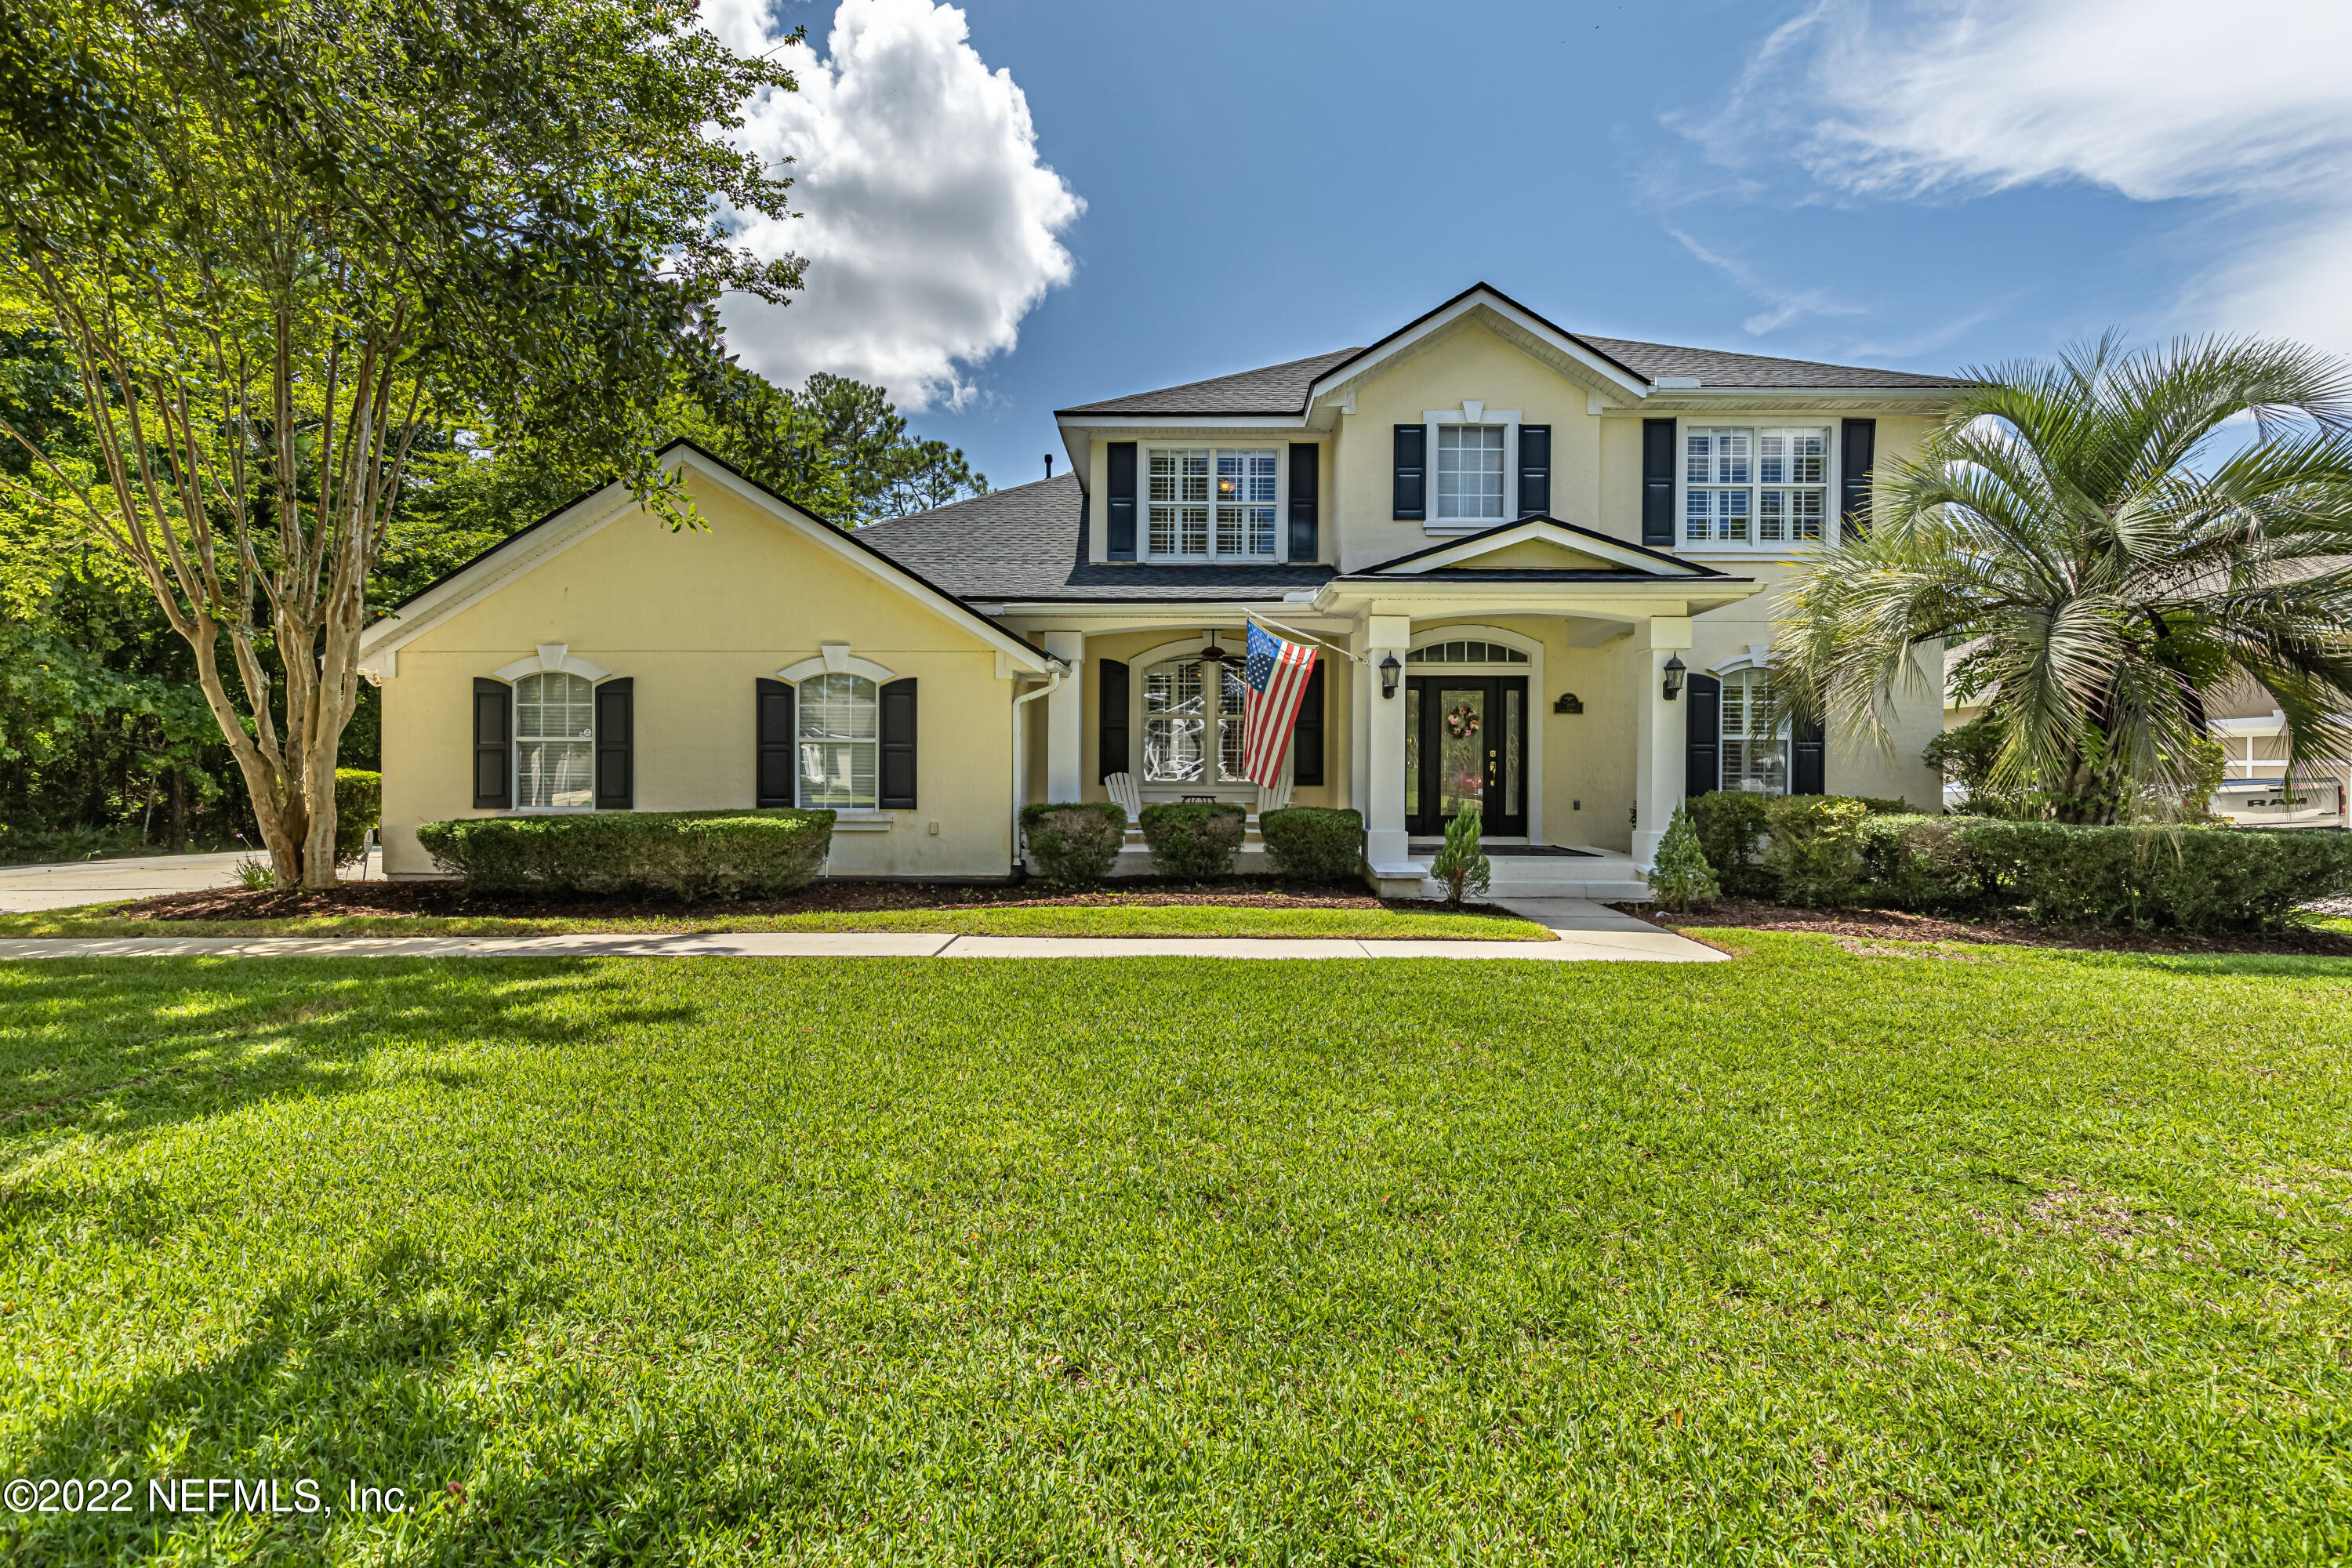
x=2247, y=104
x=930, y=226
x=1787, y=304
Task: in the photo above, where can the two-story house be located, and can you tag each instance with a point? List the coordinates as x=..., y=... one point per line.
x=1540, y=566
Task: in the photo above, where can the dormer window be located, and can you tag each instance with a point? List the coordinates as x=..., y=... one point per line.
x=1469, y=473
x=1212, y=503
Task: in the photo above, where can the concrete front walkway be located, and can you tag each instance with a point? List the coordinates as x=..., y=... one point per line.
x=26, y=889
x=1585, y=930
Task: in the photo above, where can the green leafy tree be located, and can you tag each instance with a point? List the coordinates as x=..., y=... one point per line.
x=2082, y=522
x=280, y=241
x=1679, y=877
x=886, y=472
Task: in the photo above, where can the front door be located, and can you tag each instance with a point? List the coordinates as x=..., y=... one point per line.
x=1465, y=744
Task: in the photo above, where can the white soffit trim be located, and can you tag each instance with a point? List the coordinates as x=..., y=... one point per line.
x=1549, y=533
x=1480, y=299
x=830, y=663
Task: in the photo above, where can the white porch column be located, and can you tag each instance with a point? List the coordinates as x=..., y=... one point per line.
x=1066, y=720
x=1385, y=846
x=1658, y=754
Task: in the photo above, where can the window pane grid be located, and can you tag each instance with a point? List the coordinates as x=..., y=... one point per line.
x=555, y=742
x=1755, y=756
x=1470, y=473
x=1208, y=504
x=1755, y=487
x=840, y=742
x=1174, y=722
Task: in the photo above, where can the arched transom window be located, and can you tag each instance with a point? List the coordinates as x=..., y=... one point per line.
x=1186, y=700
x=1465, y=652
x=840, y=742
x=555, y=743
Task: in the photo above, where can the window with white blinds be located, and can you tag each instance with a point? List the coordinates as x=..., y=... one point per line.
x=1749, y=487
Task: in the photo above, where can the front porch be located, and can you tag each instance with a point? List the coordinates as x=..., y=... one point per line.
x=1536, y=691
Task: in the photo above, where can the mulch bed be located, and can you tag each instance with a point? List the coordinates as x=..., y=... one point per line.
x=847, y=897
x=1895, y=925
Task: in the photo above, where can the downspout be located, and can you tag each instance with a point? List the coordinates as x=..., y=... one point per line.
x=1021, y=758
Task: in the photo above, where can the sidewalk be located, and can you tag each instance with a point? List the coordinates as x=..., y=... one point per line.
x=1586, y=932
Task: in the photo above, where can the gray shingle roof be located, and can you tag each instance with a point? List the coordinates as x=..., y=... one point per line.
x=1029, y=542
x=1713, y=367
x=1276, y=389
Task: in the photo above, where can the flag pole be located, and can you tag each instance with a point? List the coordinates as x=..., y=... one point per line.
x=1304, y=636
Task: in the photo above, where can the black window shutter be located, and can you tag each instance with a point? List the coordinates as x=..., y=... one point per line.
x=1306, y=486
x=1111, y=718
x=779, y=770
x=617, y=736
x=1412, y=473
x=1118, y=529
x=898, y=746
x=493, y=746
x=1702, y=736
x=1857, y=450
x=1658, y=483
x=1307, y=731
x=1535, y=470
x=1808, y=771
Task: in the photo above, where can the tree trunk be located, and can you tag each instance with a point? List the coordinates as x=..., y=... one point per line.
x=178, y=844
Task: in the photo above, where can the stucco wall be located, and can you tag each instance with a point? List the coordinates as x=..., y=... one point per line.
x=695, y=617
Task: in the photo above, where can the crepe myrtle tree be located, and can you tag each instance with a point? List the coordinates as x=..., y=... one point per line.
x=2112, y=544
x=281, y=238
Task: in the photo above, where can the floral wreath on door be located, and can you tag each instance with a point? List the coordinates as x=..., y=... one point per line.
x=1462, y=722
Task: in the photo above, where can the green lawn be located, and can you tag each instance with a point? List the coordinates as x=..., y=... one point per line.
x=1992, y=1257
x=979, y=919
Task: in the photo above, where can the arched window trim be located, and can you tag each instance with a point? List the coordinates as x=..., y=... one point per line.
x=810, y=765
x=552, y=659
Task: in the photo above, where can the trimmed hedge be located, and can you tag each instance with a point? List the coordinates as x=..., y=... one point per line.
x=359, y=807
x=1828, y=850
x=1194, y=840
x=685, y=855
x=1314, y=843
x=1074, y=841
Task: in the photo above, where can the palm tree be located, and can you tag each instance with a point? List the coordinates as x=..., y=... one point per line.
x=2113, y=563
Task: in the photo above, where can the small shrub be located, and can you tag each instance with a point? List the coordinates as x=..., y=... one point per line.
x=1074, y=842
x=2197, y=879
x=1731, y=834
x=1194, y=840
x=255, y=876
x=1460, y=863
x=359, y=807
x=1314, y=843
x=1814, y=857
x=1680, y=877
x=685, y=855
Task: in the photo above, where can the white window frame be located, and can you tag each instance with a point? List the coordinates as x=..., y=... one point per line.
x=1470, y=412
x=1241, y=790
x=1215, y=448
x=1742, y=671
x=515, y=741
x=1757, y=426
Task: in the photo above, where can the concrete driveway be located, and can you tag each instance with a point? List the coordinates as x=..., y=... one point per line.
x=25, y=889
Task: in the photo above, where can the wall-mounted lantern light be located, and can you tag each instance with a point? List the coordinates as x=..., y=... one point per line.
x=1675, y=668
x=1390, y=669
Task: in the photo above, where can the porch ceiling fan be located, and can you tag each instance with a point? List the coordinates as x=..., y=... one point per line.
x=1211, y=654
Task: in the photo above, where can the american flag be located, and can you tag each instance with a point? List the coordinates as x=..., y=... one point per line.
x=1274, y=680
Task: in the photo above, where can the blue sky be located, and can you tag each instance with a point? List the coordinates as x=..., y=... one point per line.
x=1915, y=186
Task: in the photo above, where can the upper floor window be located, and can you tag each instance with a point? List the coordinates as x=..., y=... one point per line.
x=840, y=741
x=1469, y=473
x=555, y=743
x=1211, y=503
x=1755, y=487
x=1185, y=701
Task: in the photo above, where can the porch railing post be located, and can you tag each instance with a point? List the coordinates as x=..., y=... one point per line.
x=1386, y=847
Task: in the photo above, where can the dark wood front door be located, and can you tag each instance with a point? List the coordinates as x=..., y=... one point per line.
x=1465, y=744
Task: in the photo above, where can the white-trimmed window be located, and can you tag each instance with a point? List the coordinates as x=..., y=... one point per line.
x=555, y=743
x=1207, y=504
x=840, y=740
x=1755, y=753
x=1747, y=486
x=1181, y=706
x=1469, y=473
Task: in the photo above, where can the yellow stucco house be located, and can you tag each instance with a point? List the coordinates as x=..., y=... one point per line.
x=1542, y=566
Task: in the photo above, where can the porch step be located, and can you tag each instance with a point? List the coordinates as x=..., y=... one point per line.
x=1603, y=876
